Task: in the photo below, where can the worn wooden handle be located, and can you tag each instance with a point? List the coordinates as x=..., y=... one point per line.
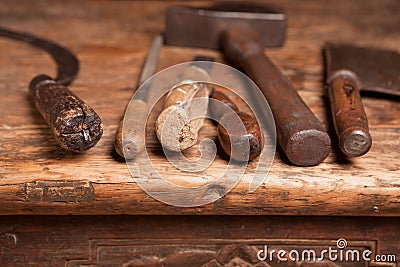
x=252, y=136
x=348, y=114
x=130, y=137
x=175, y=130
x=75, y=125
x=301, y=136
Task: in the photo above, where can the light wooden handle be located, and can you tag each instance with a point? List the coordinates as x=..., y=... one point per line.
x=130, y=136
x=348, y=114
x=175, y=130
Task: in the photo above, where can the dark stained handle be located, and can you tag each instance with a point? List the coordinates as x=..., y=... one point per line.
x=252, y=136
x=348, y=114
x=219, y=110
x=130, y=136
x=301, y=136
x=75, y=125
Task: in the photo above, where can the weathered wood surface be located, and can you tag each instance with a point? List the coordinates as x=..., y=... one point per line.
x=111, y=39
x=191, y=240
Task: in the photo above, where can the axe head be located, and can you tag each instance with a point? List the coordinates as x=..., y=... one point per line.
x=201, y=27
x=377, y=70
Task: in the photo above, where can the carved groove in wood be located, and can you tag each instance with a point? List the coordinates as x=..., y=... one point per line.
x=59, y=191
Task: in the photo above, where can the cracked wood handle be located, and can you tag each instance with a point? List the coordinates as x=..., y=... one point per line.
x=130, y=137
x=348, y=114
x=301, y=136
x=226, y=116
x=185, y=106
x=75, y=125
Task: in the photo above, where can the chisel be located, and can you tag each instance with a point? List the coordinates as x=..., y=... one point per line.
x=129, y=138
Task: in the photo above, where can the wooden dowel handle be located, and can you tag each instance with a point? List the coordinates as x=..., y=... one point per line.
x=175, y=129
x=300, y=134
x=75, y=125
x=348, y=114
x=219, y=110
x=252, y=136
x=130, y=137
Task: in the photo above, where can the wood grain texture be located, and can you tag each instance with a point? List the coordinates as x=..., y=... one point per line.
x=111, y=39
x=187, y=240
x=349, y=117
x=252, y=136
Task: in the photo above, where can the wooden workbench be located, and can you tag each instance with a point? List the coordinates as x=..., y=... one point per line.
x=111, y=40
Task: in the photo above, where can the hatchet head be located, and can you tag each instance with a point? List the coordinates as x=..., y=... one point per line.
x=376, y=70
x=201, y=27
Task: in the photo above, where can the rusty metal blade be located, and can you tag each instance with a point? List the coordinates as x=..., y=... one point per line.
x=67, y=63
x=150, y=65
x=378, y=70
x=201, y=27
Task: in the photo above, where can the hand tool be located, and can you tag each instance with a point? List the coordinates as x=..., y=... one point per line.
x=129, y=139
x=350, y=69
x=242, y=31
x=75, y=125
x=225, y=115
x=252, y=137
x=223, y=111
x=175, y=128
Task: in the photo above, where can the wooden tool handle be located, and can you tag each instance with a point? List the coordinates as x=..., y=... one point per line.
x=348, y=114
x=130, y=137
x=252, y=136
x=175, y=129
x=300, y=134
x=75, y=125
x=219, y=110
